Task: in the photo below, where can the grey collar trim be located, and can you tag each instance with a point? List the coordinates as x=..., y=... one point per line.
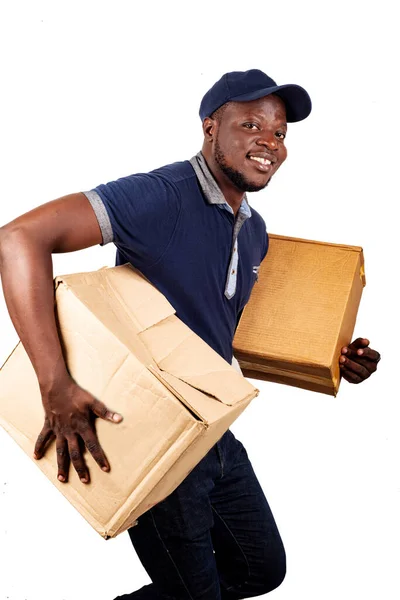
x=210, y=187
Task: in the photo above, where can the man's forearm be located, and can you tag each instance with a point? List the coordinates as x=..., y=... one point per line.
x=27, y=278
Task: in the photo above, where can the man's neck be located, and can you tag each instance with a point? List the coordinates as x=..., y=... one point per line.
x=232, y=195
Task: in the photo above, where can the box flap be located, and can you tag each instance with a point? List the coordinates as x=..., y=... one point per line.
x=139, y=298
x=184, y=355
x=148, y=326
x=346, y=247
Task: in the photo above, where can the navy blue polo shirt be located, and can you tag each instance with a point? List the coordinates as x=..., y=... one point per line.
x=174, y=225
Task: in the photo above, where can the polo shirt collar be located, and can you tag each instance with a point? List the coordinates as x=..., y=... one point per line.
x=210, y=187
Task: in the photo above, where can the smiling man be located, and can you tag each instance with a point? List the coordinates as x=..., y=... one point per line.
x=240, y=156
x=188, y=227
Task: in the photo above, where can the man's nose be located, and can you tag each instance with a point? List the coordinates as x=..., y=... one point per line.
x=268, y=140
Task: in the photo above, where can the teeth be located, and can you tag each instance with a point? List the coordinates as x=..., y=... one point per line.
x=263, y=161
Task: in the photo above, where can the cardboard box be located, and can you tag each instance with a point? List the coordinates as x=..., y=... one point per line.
x=301, y=312
x=124, y=344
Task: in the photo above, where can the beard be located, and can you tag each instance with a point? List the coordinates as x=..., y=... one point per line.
x=235, y=177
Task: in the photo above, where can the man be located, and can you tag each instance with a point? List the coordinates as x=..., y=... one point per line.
x=189, y=229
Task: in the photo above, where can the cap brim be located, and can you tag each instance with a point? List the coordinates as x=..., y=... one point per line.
x=296, y=99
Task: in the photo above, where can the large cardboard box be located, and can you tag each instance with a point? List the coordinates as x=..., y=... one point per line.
x=124, y=344
x=301, y=312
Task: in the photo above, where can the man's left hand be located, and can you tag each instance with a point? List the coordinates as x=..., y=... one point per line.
x=358, y=361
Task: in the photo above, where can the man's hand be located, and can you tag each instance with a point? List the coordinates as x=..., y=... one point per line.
x=70, y=412
x=358, y=361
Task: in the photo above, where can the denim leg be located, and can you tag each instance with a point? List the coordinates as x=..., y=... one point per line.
x=214, y=537
x=173, y=540
x=249, y=552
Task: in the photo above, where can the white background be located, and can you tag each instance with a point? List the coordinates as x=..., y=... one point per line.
x=92, y=91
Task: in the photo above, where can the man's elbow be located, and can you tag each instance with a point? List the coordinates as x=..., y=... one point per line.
x=5, y=241
x=13, y=237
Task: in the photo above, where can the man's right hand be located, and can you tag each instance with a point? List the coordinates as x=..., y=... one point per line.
x=70, y=414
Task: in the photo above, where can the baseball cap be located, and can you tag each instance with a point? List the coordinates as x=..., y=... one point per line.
x=242, y=86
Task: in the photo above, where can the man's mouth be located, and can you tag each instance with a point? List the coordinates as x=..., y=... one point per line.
x=262, y=163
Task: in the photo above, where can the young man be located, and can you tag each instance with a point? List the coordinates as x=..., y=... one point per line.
x=189, y=229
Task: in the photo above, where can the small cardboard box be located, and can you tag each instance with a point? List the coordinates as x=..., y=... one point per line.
x=124, y=344
x=301, y=312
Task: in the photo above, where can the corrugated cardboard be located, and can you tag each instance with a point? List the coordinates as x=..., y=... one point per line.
x=301, y=312
x=124, y=344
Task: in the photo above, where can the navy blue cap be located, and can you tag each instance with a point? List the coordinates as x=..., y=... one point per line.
x=242, y=86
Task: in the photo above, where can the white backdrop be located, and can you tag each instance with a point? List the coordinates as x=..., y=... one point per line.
x=92, y=91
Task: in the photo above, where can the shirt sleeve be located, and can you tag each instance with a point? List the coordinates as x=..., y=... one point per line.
x=138, y=213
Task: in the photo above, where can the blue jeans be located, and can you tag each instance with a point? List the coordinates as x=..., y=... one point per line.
x=214, y=537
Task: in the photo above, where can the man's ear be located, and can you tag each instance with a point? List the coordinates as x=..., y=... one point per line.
x=209, y=129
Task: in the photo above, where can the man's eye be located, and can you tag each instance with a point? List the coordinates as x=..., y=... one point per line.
x=250, y=125
x=280, y=135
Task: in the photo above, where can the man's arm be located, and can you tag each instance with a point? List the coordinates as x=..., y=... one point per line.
x=26, y=246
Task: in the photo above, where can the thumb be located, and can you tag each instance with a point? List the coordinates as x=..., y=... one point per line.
x=103, y=412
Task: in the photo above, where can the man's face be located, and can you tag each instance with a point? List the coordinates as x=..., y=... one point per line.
x=250, y=142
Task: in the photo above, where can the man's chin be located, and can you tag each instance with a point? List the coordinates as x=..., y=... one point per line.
x=255, y=187
x=248, y=185
x=244, y=184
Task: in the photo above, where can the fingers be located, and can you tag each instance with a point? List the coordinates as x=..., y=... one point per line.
x=76, y=457
x=358, y=361
x=103, y=412
x=93, y=446
x=68, y=449
x=350, y=376
x=358, y=368
x=365, y=353
x=63, y=459
x=43, y=439
x=358, y=343
x=73, y=429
